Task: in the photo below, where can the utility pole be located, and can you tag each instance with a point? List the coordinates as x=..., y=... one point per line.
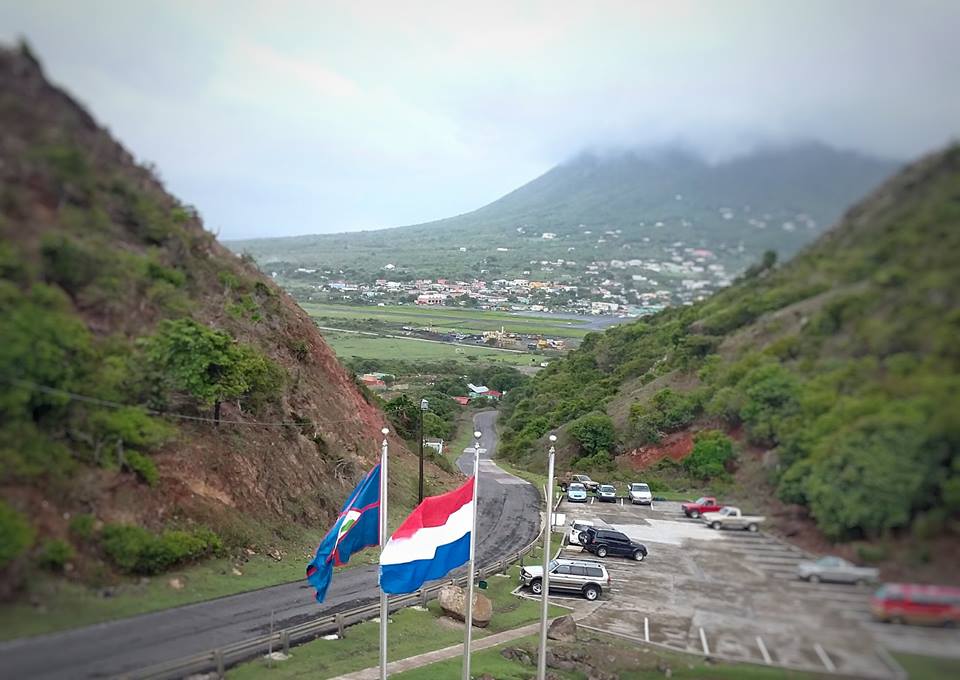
x=545, y=582
x=424, y=405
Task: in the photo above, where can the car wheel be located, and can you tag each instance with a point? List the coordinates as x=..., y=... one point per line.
x=536, y=587
x=602, y=551
x=591, y=592
x=638, y=555
x=695, y=514
x=752, y=528
x=714, y=525
x=581, y=539
x=813, y=578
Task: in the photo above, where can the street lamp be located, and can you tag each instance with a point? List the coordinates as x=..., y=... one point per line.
x=424, y=406
x=545, y=581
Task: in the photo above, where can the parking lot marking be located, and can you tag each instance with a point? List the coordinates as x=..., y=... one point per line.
x=621, y=502
x=646, y=629
x=822, y=653
x=763, y=651
x=703, y=641
x=591, y=501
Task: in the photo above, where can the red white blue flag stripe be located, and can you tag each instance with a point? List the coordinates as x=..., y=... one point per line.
x=431, y=542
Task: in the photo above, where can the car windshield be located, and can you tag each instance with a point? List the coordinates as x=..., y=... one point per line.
x=553, y=564
x=829, y=562
x=641, y=487
x=607, y=488
x=576, y=487
x=701, y=501
x=726, y=511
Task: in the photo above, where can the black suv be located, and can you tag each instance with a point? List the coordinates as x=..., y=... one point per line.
x=603, y=542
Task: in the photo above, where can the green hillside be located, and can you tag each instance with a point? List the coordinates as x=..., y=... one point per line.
x=155, y=389
x=778, y=198
x=843, y=363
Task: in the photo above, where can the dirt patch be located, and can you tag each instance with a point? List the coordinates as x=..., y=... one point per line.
x=676, y=446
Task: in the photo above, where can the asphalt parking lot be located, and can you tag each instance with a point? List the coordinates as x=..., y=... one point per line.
x=735, y=594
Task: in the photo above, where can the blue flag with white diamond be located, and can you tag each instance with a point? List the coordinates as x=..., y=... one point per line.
x=357, y=527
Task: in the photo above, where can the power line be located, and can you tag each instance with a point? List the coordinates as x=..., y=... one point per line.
x=152, y=411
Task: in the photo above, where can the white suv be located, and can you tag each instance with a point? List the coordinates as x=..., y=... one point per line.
x=578, y=576
x=640, y=493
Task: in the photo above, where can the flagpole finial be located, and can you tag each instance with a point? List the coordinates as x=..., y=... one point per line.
x=385, y=431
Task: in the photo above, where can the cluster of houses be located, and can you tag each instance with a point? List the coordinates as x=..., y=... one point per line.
x=380, y=382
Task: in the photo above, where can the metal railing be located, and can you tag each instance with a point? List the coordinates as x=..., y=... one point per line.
x=218, y=660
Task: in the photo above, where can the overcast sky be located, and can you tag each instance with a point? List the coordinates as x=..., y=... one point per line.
x=278, y=118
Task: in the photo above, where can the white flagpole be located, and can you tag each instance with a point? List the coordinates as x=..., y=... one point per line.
x=384, y=609
x=473, y=549
x=545, y=581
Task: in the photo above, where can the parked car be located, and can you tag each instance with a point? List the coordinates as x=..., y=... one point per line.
x=607, y=493
x=837, y=570
x=573, y=535
x=581, y=576
x=730, y=517
x=700, y=506
x=603, y=542
x=569, y=478
x=576, y=493
x=919, y=604
x=640, y=493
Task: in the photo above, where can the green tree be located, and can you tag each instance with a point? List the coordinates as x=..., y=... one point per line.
x=711, y=451
x=594, y=433
x=404, y=414
x=209, y=365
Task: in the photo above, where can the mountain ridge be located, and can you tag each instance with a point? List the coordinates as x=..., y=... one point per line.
x=772, y=199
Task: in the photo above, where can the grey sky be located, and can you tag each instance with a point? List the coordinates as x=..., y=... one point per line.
x=278, y=118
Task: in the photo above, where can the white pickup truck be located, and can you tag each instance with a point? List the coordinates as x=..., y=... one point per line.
x=730, y=517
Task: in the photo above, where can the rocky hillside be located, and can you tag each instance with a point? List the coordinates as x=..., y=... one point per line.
x=839, y=372
x=148, y=376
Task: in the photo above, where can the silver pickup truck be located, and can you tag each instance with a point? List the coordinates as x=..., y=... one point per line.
x=731, y=518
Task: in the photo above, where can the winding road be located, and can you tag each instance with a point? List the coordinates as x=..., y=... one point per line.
x=508, y=519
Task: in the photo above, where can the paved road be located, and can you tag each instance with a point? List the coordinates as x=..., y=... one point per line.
x=508, y=520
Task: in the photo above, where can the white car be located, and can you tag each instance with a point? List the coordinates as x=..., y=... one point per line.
x=573, y=535
x=640, y=493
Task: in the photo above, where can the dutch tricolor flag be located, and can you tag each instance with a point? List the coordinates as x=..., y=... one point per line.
x=431, y=542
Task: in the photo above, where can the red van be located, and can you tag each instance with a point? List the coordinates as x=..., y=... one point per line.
x=920, y=604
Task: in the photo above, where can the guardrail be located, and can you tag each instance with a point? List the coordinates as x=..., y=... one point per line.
x=218, y=660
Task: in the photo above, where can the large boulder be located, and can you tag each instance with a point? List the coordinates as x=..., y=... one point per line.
x=453, y=602
x=563, y=629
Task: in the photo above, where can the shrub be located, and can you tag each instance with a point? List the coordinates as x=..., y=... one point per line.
x=209, y=365
x=711, y=451
x=600, y=461
x=667, y=411
x=16, y=535
x=55, y=554
x=70, y=263
x=871, y=553
x=82, y=526
x=594, y=433
x=143, y=467
x=135, y=550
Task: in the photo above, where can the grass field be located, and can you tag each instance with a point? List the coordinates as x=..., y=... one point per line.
x=411, y=632
x=377, y=347
x=459, y=319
